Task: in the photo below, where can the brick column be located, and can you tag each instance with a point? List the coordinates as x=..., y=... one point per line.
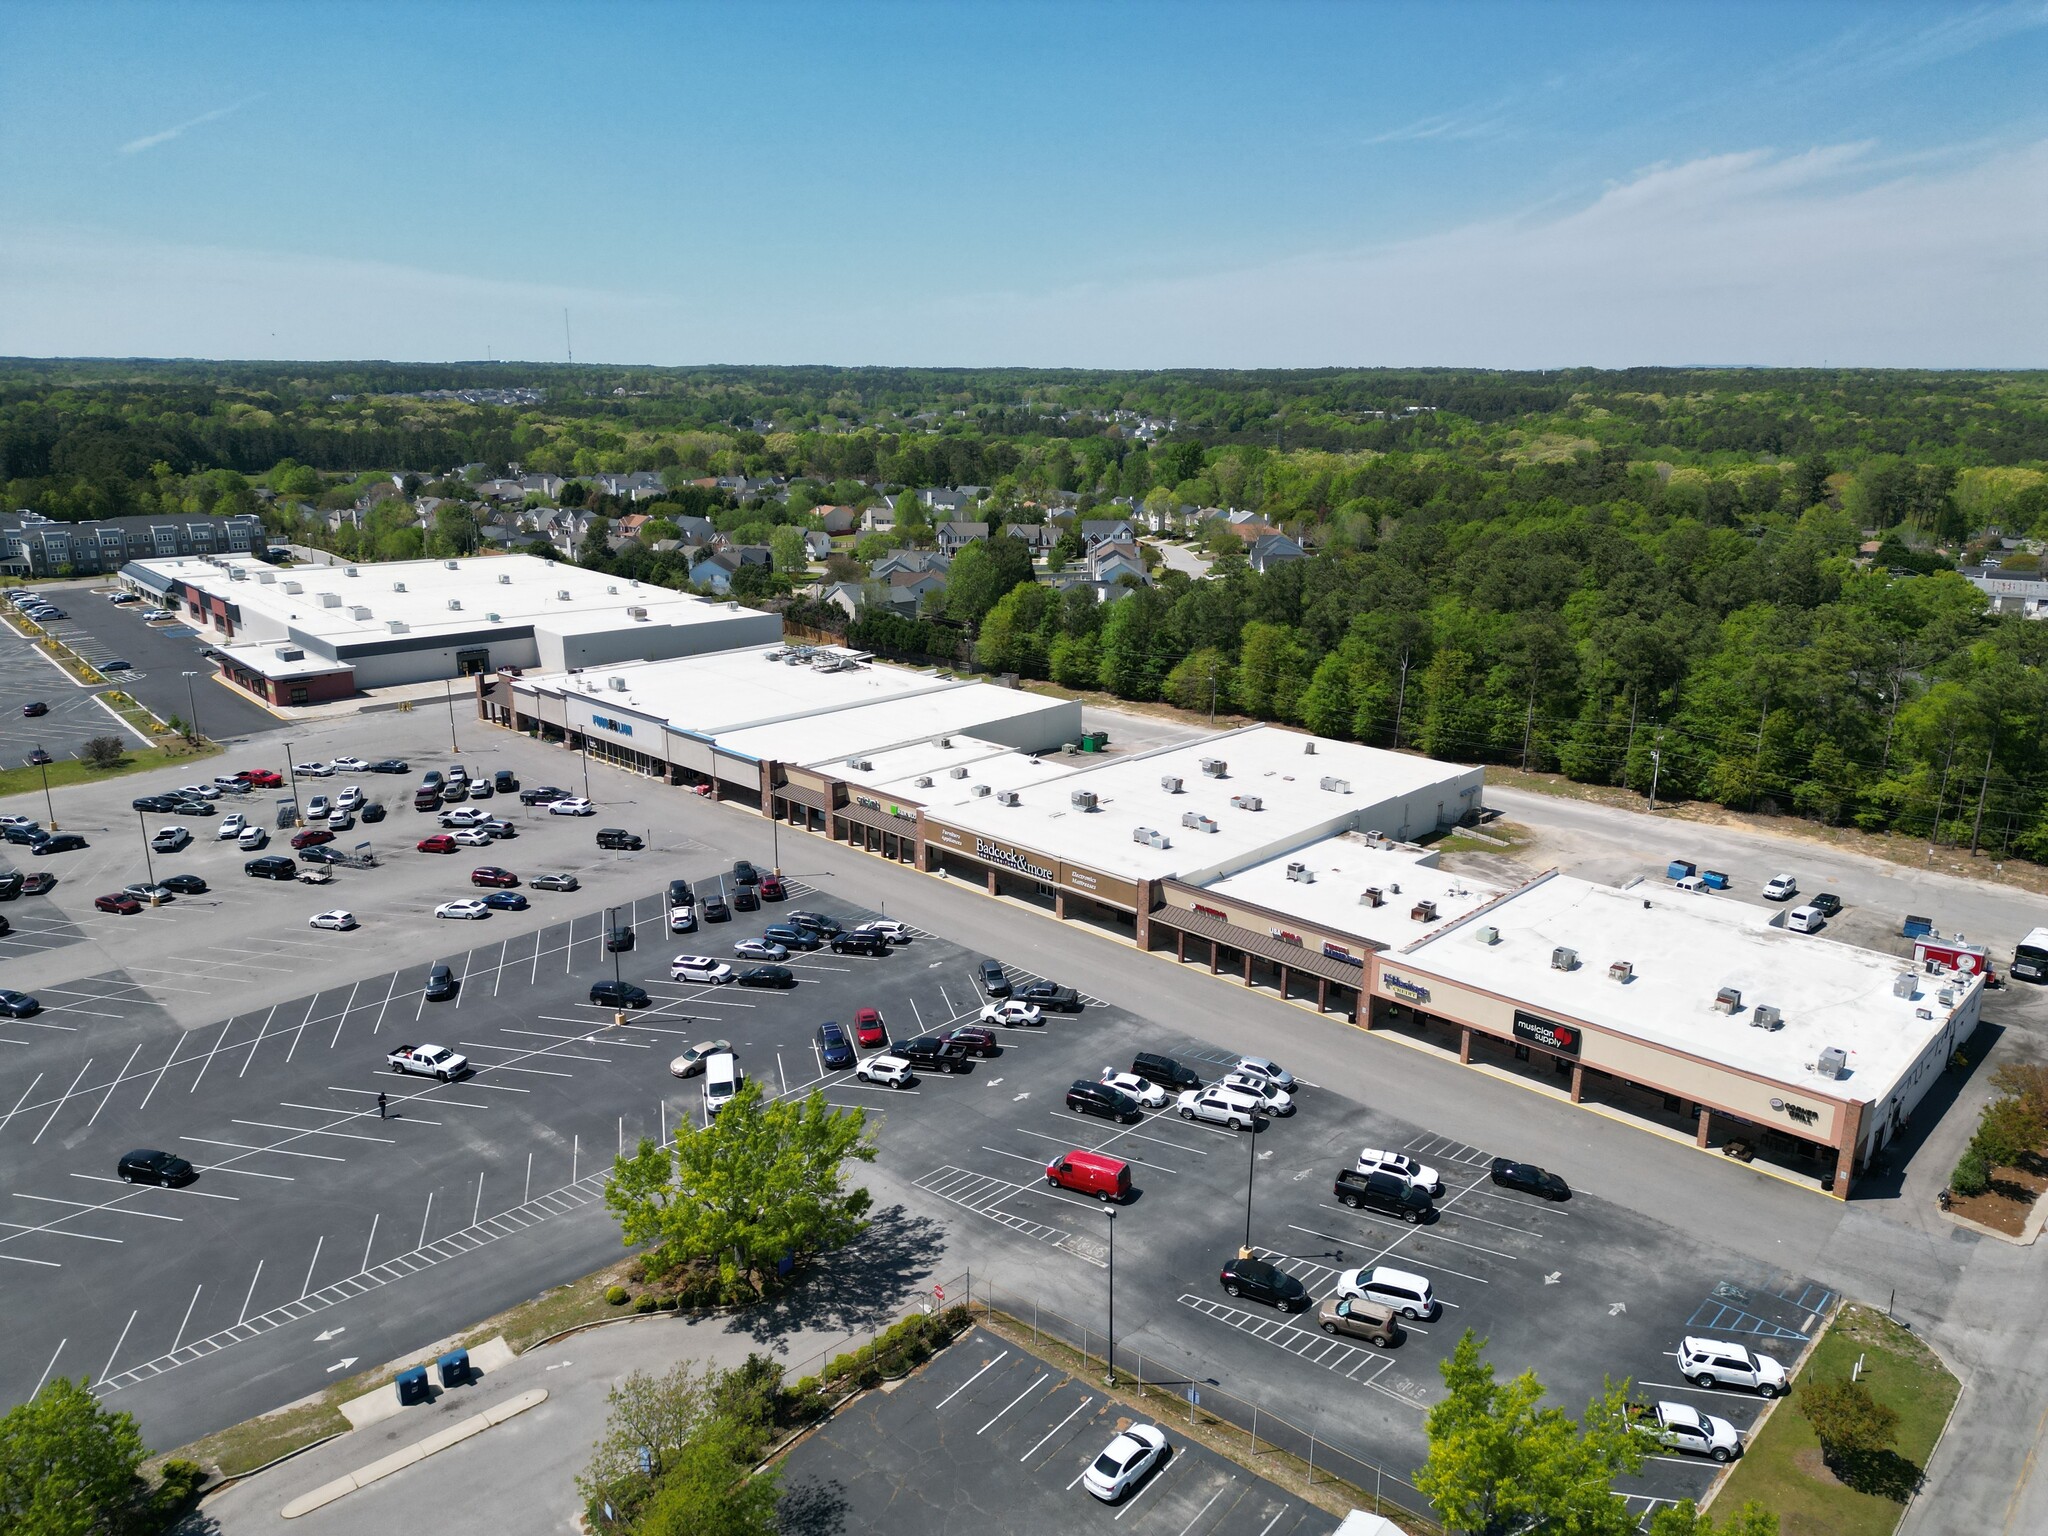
x=1180, y=946
x=1247, y=967
x=1059, y=905
x=1322, y=994
x=992, y=882
x=1465, y=1047
x=1851, y=1123
x=1705, y=1130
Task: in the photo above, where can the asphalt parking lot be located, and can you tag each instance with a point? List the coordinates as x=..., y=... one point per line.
x=75, y=713
x=989, y=1437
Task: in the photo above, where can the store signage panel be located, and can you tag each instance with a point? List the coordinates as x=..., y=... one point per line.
x=1401, y=987
x=1339, y=952
x=1563, y=1038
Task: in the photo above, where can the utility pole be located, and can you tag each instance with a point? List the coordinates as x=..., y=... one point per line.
x=49, y=808
x=1529, y=722
x=148, y=863
x=193, y=704
x=1656, y=767
x=1251, y=1167
x=1212, y=695
x=1109, y=1355
x=448, y=688
x=1940, y=799
x=1628, y=750
x=1401, y=698
x=1977, y=826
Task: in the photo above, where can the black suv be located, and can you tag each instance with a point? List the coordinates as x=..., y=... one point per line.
x=1387, y=1192
x=834, y=1047
x=618, y=994
x=1050, y=995
x=619, y=837
x=505, y=780
x=148, y=1166
x=1165, y=1071
x=815, y=922
x=680, y=894
x=10, y=885
x=1257, y=1280
x=272, y=866
x=993, y=981
x=1086, y=1098
x=746, y=898
x=441, y=984
x=744, y=873
x=790, y=936
x=618, y=940
x=1826, y=903
x=860, y=944
x=934, y=1052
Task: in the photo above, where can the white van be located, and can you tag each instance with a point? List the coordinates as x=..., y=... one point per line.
x=722, y=1079
x=1805, y=920
x=1408, y=1294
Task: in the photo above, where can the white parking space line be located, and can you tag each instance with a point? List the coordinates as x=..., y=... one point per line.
x=84, y=1237
x=269, y=1125
x=60, y=1103
x=970, y=1381
x=1158, y=1476
x=97, y=1205
x=262, y=1033
x=341, y=1022
x=219, y=1040
x=1406, y=1258
x=1220, y=1491
x=1415, y=1231
x=243, y=1146
x=611, y=1037
x=1085, y=1401
x=173, y=1194
x=389, y=992
x=31, y=1088
x=1013, y=1402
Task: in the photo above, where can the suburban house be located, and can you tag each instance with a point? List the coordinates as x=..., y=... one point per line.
x=1037, y=537
x=1251, y=531
x=906, y=590
x=715, y=572
x=909, y=560
x=1098, y=530
x=944, y=501
x=879, y=518
x=631, y=524
x=694, y=530
x=843, y=595
x=1273, y=549
x=836, y=519
x=954, y=537
x=35, y=545
x=817, y=545
x=1109, y=563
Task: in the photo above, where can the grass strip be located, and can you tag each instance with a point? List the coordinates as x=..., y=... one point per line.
x=70, y=770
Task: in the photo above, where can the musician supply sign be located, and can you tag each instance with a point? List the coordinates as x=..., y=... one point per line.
x=1562, y=1038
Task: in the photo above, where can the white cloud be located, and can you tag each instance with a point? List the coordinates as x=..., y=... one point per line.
x=164, y=136
x=1827, y=255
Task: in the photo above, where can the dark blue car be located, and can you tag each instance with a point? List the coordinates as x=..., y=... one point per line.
x=506, y=901
x=834, y=1047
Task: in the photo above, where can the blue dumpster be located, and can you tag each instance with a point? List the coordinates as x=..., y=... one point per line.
x=454, y=1367
x=1713, y=880
x=412, y=1386
x=1680, y=869
x=1917, y=927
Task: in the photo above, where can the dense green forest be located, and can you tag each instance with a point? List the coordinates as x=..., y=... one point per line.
x=1614, y=575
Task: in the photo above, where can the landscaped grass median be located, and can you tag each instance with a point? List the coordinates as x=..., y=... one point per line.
x=70, y=770
x=1782, y=1470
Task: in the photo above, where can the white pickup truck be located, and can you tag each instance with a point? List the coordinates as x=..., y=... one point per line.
x=428, y=1061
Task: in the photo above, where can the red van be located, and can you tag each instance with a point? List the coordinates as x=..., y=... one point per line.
x=1090, y=1173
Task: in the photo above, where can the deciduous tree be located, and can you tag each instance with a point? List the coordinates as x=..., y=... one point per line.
x=1850, y=1424
x=67, y=1464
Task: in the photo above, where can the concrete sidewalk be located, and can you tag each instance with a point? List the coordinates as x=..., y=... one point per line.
x=528, y=1463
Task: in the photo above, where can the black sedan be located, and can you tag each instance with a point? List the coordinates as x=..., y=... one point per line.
x=158, y=803
x=1051, y=995
x=390, y=765
x=767, y=976
x=35, y=709
x=60, y=842
x=1256, y=1280
x=10, y=884
x=1827, y=904
x=147, y=1166
x=40, y=759
x=1530, y=1179
x=18, y=1005
x=186, y=885
x=716, y=911
x=506, y=901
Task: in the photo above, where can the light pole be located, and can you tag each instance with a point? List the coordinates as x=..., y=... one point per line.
x=1109, y=1361
x=292, y=773
x=448, y=687
x=775, y=837
x=148, y=863
x=1656, y=766
x=48, y=807
x=611, y=928
x=1251, y=1167
x=586, y=765
x=192, y=701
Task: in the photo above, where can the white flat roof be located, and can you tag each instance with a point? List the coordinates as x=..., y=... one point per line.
x=729, y=690
x=983, y=762
x=1344, y=868
x=1263, y=761
x=521, y=590
x=1685, y=947
x=264, y=661
x=912, y=717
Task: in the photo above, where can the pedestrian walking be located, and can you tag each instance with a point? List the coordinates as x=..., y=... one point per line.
x=381, y=1102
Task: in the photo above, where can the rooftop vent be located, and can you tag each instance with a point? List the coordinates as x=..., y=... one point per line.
x=617, y=684
x=1247, y=802
x=453, y=565
x=1946, y=997
x=1300, y=872
x=977, y=789
x=1215, y=767
x=1904, y=984
x=295, y=586
x=454, y=605
x=1337, y=786
x=495, y=618
x=613, y=590
x=1170, y=782
x=1423, y=912
x=636, y=613
x=359, y=612
x=1489, y=934
x=1082, y=799
x=266, y=578
x=860, y=765
x=1834, y=1062
x=1764, y=1016
x=349, y=570
x=1622, y=971
x=398, y=586
x=1198, y=821
x=1728, y=1000
x=1371, y=897
x=1563, y=959
x=398, y=626
x=956, y=773
x=925, y=782
x=504, y=579
x=1009, y=797
x=290, y=653
x=946, y=741
x=329, y=599
x=1308, y=748
x=563, y=594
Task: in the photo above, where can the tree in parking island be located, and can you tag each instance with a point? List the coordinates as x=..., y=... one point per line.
x=1499, y=1460
x=764, y=1180
x=68, y=1467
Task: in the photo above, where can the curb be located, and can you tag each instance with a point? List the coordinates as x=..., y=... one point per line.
x=398, y=1461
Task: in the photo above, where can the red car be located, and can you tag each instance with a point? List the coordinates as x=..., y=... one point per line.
x=869, y=1029
x=490, y=874
x=261, y=778
x=440, y=842
x=772, y=888
x=311, y=837
x=120, y=902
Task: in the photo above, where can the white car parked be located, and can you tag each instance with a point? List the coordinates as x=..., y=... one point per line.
x=314, y=770
x=232, y=826
x=1278, y=1100
x=1713, y=1363
x=1269, y=1069
x=701, y=968
x=1221, y=1106
x=468, y=908
x=1013, y=1014
x=464, y=816
x=351, y=765
x=337, y=920
x=1780, y=888
x=889, y=1071
x=1401, y=1165
x=682, y=919
x=318, y=807
x=1124, y=1461
x=473, y=837
x=1148, y=1093
x=888, y=928
x=350, y=799
x=1407, y=1293
x=1680, y=1427
x=573, y=806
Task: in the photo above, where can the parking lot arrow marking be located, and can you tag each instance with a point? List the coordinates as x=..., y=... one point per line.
x=332, y=1333
x=1553, y=1277
x=342, y=1364
x=1619, y=1306
x=1022, y=1096
x=995, y=1082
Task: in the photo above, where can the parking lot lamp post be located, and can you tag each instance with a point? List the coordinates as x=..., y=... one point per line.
x=1109, y=1355
x=586, y=765
x=610, y=926
x=48, y=807
x=448, y=688
x=192, y=704
x=148, y=863
x=1251, y=1167
x=291, y=773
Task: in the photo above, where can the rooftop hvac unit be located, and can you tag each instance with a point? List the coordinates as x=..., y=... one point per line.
x=613, y=590
x=1621, y=970
x=563, y=594
x=455, y=605
x=1082, y=799
x=266, y=578
x=1563, y=959
x=1423, y=912
x=1834, y=1062
x=1198, y=821
x=398, y=626
x=1371, y=897
x=359, y=612
x=1764, y=1016
x=1489, y=934
x=1728, y=1000
x=1308, y=748
x=453, y=565
x=1946, y=997
x=1215, y=767
x=1337, y=786
x=1154, y=839
x=236, y=573
x=1009, y=797
x=636, y=613
x=860, y=764
x=290, y=653
x=504, y=580
x=1904, y=984
x=978, y=789
x=1170, y=782
x=1247, y=802
x=294, y=586
x=1300, y=872
x=349, y=570
x=946, y=741
x=956, y=773
x=616, y=684
x=398, y=586
x=329, y=599
x=925, y=782
x=494, y=618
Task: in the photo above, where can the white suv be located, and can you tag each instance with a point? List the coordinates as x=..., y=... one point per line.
x=1277, y=1100
x=1711, y=1363
x=1408, y=1294
x=1781, y=888
x=889, y=1071
x=700, y=968
x=1401, y=1165
x=1223, y=1106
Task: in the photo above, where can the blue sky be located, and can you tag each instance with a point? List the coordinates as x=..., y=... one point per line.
x=1121, y=185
